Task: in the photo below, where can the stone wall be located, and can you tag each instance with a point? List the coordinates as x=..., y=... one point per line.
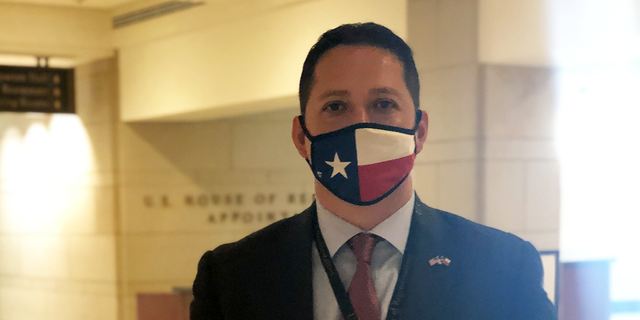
x=490, y=155
x=94, y=211
x=58, y=207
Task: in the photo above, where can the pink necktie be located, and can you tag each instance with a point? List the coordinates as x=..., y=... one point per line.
x=361, y=290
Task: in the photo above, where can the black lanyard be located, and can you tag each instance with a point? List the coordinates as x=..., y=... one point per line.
x=342, y=296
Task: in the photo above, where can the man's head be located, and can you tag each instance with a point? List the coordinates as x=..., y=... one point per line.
x=360, y=77
x=358, y=73
x=358, y=35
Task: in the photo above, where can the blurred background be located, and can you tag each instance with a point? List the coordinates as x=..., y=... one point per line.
x=175, y=138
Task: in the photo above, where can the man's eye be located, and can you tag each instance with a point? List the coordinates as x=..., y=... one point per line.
x=385, y=104
x=334, y=106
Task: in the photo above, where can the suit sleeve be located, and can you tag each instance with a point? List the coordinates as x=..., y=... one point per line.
x=532, y=302
x=206, y=299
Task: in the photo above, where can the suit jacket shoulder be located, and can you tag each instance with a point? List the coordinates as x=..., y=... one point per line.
x=491, y=274
x=266, y=275
x=475, y=235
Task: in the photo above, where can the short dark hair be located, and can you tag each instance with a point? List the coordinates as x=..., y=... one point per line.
x=360, y=34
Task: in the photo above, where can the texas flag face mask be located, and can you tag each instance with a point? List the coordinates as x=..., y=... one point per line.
x=362, y=163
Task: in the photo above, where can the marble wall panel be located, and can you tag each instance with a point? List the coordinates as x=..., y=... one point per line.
x=99, y=214
x=449, y=186
x=89, y=210
x=77, y=305
x=105, y=66
x=519, y=102
x=423, y=32
x=542, y=196
x=69, y=306
x=9, y=221
x=105, y=307
x=97, y=92
x=265, y=146
x=92, y=258
x=45, y=256
x=170, y=258
x=302, y=177
x=10, y=255
x=101, y=138
x=283, y=115
x=39, y=298
x=448, y=150
x=13, y=129
x=21, y=303
x=167, y=146
x=425, y=182
x=63, y=211
x=520, y=149
x=72, y=149
x=504, y=195
x=443, y=32
x=449, y=95
x=158, y=177
x=458, y=189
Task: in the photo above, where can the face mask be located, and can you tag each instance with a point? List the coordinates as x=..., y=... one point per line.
x=362, y=163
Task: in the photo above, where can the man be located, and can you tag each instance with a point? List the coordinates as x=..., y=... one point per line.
x=368, y=248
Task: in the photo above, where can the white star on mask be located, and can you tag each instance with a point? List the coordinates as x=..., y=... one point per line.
x=338, y=166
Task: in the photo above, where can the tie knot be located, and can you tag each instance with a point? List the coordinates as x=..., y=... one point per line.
x=362, y=245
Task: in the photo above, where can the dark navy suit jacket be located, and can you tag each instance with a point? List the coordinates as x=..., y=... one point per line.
x=268, y=274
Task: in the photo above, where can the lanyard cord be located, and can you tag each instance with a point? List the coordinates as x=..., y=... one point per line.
x=344, y=302
x=342, y=296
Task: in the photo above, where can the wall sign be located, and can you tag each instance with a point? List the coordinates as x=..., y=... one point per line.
x=35, y=89
x=226, y=208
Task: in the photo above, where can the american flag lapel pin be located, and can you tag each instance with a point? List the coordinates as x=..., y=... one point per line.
x=439, y=260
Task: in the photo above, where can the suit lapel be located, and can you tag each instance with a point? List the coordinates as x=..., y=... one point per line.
x=294, y=297
x=426, y=294
x=428, y=288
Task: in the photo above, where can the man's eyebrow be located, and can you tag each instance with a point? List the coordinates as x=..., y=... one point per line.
x=332, y=93
x=383, y=90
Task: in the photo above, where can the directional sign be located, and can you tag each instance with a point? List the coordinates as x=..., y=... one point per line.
x=31, y=89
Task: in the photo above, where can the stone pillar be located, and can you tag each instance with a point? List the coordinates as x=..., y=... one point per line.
x=443, y=35
x=489, y=154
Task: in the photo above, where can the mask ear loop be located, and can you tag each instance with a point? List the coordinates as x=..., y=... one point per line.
x=418, y=119
x=415, y=129
x=303, y=125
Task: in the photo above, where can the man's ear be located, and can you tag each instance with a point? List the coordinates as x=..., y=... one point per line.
x=421, y=133
x=299, y=139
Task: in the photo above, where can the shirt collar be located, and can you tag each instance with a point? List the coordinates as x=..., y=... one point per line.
x=394, y=229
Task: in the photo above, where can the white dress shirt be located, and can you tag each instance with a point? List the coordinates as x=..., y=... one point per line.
x=385, y=263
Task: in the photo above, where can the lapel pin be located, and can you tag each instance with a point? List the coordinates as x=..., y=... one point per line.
x=439, y=260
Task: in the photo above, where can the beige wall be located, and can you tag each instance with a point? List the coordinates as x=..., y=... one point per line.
x=443, y=37
x=94, y=211
x=490, y=155
x=57, y=207
x=79, y=34
x=521, y=174
x=179, y=192
x=230, y=67
x=488, y=158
